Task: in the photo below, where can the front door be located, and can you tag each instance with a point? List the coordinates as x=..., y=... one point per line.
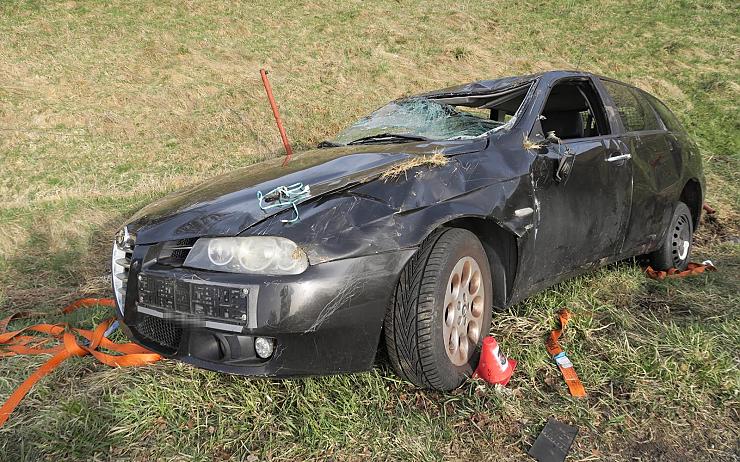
x=582, y=217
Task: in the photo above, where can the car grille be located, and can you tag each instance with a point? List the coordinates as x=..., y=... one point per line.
x=174, y=253
x=159, y=331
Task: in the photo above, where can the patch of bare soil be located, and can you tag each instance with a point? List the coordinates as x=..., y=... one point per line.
x=652, y=450
x=693, y=446
x=714, y=230
x=662, y=307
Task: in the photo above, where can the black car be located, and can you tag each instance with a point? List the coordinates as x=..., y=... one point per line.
x=410, y=227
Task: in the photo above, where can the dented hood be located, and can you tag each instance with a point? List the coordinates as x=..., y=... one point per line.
x=227, y=205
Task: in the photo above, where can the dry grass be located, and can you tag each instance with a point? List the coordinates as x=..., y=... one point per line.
x=433, y=160
x=528, y=144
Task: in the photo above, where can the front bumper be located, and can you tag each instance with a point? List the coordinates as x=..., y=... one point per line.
x=326, y=320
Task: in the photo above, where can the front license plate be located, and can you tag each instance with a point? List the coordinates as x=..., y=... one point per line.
x=192, y=297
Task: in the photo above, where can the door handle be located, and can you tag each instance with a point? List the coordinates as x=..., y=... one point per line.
x=619, y=157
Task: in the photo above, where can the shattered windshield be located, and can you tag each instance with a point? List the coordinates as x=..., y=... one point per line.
x=417, y=119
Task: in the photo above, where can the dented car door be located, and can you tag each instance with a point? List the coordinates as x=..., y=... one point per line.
x=583, y=216
x=582, y=219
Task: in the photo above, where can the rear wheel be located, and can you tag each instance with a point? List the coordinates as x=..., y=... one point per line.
x=440, y=311
x=675, y=250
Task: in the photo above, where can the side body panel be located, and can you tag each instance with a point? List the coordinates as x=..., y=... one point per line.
x=655, y=184
x=578, y=222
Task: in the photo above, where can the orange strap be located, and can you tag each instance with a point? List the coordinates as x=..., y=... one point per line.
x=17, y=342
x=18, y=315
x=566, y=367
x=85, y=302
x=692, y=268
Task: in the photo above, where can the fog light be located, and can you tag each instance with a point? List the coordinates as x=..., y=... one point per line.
x=263, y=346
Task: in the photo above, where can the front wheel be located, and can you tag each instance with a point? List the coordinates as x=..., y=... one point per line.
x=440, y=311
x=675, y=250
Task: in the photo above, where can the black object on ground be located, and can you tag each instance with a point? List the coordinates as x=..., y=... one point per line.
x=553, y=442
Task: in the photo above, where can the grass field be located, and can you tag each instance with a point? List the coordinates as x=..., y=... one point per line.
x=105, y=106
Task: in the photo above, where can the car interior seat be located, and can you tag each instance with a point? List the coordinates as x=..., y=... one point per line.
x=565, y=124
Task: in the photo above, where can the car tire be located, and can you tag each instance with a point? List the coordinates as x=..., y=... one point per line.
x=675, y=250
x=440, y=311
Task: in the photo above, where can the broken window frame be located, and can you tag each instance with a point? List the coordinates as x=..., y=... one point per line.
x=456, y=100
x=504, y=95
x=537, y=133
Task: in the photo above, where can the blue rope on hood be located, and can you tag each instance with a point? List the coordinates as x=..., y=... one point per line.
x=283, y=196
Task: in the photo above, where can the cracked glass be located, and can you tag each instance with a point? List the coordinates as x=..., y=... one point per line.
x=419, y=117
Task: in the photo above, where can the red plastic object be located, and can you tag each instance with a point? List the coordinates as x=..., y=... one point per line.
x=273, y=105
x=494, y=367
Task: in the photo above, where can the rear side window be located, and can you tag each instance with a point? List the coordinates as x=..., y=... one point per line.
x=634, y=110
x=669, y=120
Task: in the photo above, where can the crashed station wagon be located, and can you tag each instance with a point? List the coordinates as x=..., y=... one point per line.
x=409, y=228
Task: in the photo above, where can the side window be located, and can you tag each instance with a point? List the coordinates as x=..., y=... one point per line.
x=669, y=120
x=651, y=119
x=634, y=110
x=574, y=110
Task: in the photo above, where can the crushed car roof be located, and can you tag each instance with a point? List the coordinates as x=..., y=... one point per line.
x=496, y=85
x=482, y=86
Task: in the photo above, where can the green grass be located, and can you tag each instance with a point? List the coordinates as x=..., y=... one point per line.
x=105, y=106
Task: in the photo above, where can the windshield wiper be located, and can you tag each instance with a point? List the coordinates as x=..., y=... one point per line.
x=390, y=137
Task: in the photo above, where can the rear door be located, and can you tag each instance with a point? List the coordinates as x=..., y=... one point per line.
x=647, y=140
x=581, y=219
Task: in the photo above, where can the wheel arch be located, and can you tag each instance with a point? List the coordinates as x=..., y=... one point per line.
x=691, y=195
x=501, y=249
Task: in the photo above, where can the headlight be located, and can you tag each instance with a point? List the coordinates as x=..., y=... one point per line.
x=250, y=254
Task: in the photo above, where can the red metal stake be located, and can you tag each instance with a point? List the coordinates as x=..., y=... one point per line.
x=286, y=143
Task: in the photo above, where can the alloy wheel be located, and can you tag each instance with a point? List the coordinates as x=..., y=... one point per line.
x=463, y=310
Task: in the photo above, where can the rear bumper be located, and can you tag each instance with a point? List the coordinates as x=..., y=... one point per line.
x=324, y=321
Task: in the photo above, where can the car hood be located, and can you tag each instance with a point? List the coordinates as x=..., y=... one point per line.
x=227, y=205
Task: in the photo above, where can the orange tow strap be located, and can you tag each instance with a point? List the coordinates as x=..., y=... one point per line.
x=692, y=268
x=17, y=343
x=566, y=367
